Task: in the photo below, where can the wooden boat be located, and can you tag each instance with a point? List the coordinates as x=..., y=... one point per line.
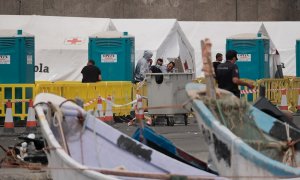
x=241, y=138
x=164, y=145
x=79, y=146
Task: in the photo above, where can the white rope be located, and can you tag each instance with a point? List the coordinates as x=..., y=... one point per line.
x=287, y=129
x=110, y=102
x=55, y=121
x=140, y=84
x=288, y=157
x=121, y=105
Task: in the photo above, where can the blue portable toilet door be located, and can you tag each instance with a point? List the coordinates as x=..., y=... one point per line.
x=266, y=58
x=26, y=63
x=130, y=55
x=298, y=58
x=111, y=64
x=9, y=60
x=29, y=60
x=22, y=63
x=110, y=56
x=248, y=58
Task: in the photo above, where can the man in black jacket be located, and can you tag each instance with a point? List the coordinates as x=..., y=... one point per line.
x=91, y=73
x=228, y=74
x=219, y=58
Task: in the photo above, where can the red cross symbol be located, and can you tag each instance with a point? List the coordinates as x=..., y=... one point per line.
x=74, y=41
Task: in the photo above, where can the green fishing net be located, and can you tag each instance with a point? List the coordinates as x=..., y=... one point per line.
x=235, y=114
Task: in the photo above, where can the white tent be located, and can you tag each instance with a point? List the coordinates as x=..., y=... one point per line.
x=217, y=32
x=164, y=37
x=61, y=43
x=284, y=36
x=275, y=60
x=14, y=22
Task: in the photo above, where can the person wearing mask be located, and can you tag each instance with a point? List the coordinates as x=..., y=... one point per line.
x=159, y=64
x=171, y=67
x=219, y=59
x=142, y=66
x=228, y=77
x=91, y=73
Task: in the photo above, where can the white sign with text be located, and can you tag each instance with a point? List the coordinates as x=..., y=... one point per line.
x=4, y=59
x=109, y=58
x=244, y=57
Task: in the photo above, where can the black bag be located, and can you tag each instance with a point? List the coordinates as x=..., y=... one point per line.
x=158, y=78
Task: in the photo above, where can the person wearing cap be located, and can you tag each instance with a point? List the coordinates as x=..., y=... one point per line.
x=219, y=59
x=227, y=74
x=142, y=66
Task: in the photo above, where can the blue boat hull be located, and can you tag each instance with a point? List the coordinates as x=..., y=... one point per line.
x=231, y=155
x=165, y=146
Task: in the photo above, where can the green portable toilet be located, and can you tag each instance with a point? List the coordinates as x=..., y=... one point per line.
x=113, y=52
x=298, y=58
x=253, y=55
x=16, y=57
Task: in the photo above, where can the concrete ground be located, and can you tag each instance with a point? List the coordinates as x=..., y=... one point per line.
x=6, y=173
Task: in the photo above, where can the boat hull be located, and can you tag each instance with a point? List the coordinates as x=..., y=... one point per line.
x=232, y=157
x=94, y=146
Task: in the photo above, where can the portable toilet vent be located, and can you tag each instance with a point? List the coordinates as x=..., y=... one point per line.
x=298, y=58
x=16, y=57
x=113, y=53
x=253, y=55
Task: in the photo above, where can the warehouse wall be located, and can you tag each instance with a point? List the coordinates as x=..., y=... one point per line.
x=185, y=10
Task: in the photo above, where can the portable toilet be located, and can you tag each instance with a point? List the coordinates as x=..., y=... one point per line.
x=113, y=52
x=16, y=57
x=298, y=58
x=253, y=55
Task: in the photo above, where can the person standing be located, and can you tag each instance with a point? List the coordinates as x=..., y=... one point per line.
x=227, y=75
x=219, y=59
x=142, y=66
x=91, y=73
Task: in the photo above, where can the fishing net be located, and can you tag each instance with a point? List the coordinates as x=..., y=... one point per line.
x=236, y=115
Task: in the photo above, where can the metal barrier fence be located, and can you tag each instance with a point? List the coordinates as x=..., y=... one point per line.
x=120, y=91
x=19, y=95
x=274, y=87
x=274, y=90
x=247, y=94
x=125, y=92
x=295, y=94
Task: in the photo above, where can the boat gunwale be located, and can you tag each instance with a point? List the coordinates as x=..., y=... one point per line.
x=55, y=146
